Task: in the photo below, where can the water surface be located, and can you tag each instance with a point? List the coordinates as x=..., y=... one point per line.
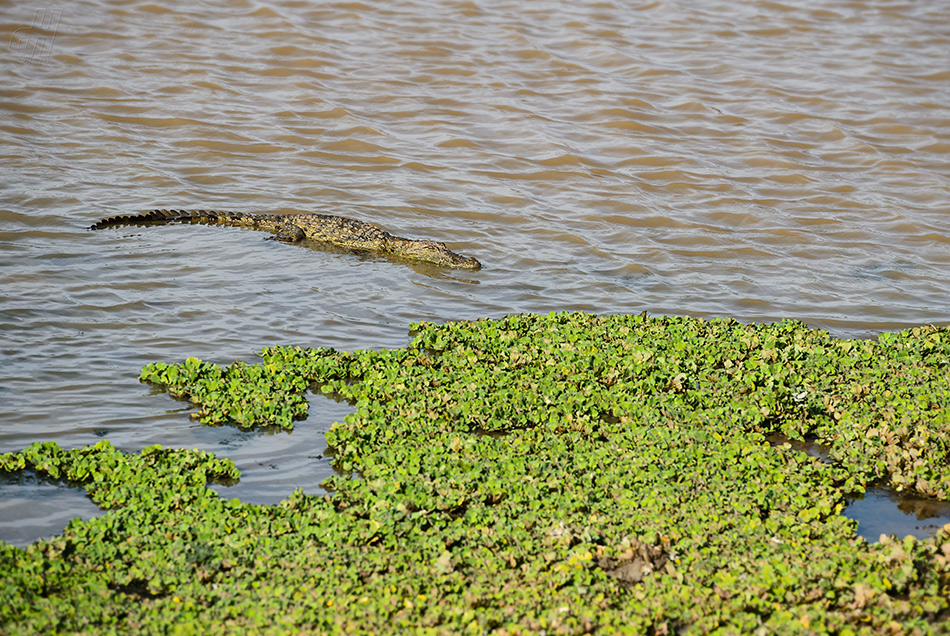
x=758, y=160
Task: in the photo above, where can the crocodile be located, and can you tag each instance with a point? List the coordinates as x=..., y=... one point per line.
x=339, y=231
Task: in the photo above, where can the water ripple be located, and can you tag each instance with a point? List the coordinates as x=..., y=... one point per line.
x=760, y=160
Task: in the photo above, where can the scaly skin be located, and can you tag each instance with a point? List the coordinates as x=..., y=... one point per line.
x=325, y=228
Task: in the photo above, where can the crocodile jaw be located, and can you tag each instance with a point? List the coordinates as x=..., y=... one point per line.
x=431, y=252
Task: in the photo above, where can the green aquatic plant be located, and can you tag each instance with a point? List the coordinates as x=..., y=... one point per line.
x=245, y=395
x=563, y=474
x=880, y=405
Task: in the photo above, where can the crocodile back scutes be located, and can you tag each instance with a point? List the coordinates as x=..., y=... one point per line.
x=168, y=216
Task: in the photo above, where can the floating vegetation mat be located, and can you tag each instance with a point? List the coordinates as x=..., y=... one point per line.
x=564, y=474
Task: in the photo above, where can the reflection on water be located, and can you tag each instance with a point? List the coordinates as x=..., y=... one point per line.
x=757, y=160
x=883, y=510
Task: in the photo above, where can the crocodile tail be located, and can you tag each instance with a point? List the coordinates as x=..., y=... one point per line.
x=159, y=216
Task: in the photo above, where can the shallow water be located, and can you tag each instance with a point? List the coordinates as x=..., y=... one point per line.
x=884, y=510
x=759, y=160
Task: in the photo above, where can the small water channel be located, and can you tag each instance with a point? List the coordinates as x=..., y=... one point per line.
x=272, y=463
x=882, y=509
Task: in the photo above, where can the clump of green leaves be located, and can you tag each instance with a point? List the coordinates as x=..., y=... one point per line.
x=156, y=476
x=879, y=404
x=561, y=474
x=260, y=395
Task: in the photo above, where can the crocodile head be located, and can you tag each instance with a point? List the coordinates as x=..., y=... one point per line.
x=433, y=252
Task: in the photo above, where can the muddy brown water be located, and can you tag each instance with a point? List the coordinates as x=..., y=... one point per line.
x=759, y=160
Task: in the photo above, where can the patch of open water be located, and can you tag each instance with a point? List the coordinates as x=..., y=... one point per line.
x=34, y=507
x=273, y=464
x=884, y=510
x=881, y=509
